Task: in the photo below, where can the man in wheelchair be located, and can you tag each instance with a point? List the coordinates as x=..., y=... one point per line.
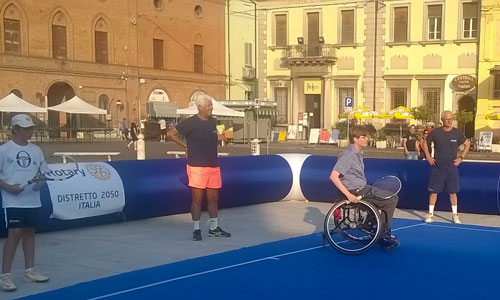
x=348, y=175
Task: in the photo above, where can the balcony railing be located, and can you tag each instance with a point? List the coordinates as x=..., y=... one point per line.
x=248, y=72
x=310, y=54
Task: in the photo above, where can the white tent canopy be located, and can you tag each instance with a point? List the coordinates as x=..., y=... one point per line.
x=219, y=110
x=76, y=105
x=13, y=103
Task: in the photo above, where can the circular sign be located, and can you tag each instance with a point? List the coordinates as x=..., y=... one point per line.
x=463, y=83
x=118, y=102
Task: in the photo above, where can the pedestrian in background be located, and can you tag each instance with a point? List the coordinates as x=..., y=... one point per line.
x=444, y=165
x=202, y=164
x=410, y=144
x=163, y=130
x=133, y=135
x=123, y=130
x=19, y=162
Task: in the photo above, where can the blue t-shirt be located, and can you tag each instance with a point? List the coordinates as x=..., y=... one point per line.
x=201, y=137
x=445, y=145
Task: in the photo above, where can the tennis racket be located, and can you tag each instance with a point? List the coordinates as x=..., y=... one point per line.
x=54, y=168
x=382, y=189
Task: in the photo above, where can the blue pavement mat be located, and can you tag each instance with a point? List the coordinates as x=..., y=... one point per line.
x=436, y=261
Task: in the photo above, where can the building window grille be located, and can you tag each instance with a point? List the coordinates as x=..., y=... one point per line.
x=433, y=102
x=343, y=93
x=398, y=98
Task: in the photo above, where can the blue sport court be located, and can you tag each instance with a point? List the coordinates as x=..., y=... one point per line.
x=435, y=261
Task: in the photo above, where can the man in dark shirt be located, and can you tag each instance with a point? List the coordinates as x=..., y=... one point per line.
x=444, y=171
x=202, y=165
x=410, y=144
x=348, y=175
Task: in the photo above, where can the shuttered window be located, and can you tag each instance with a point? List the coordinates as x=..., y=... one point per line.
x=101, y=47
x=281, y=98
x=434, y=21
x=313, y=34
x=158, y=54
x=401, y=24
x=497, y=82
x=12, y=36
x=469, y=22
x=248, y=54
x=281, y=32
x=59, y=42
x=347, y=27
x=198, y=58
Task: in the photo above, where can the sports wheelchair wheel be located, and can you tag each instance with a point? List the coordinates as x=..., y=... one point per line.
x=352, y=228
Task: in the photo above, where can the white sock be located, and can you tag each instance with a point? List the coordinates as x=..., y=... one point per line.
x=213, y=223
x=454, y=209
x=431, y=209
x=196, y=225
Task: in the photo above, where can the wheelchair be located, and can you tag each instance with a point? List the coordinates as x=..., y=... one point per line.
x=353, y=228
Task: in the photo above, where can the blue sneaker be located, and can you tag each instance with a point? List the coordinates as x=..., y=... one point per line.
x=197, y=235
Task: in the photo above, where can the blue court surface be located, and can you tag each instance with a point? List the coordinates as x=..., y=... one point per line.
x=435, y=261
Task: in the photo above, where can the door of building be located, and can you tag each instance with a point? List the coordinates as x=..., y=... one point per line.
x=313, y=105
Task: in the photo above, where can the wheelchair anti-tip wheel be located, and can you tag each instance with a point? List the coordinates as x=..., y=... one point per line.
x=352, y=228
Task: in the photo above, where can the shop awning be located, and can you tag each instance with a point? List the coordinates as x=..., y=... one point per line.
x=161, y=109
x=495, y=70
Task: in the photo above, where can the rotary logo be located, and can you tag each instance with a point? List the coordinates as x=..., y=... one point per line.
x=98, y=171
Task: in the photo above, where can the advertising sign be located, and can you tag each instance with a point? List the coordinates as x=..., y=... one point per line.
x=96, y=190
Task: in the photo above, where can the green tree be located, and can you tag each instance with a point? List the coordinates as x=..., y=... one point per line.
x=464, y=117
x=422, y=113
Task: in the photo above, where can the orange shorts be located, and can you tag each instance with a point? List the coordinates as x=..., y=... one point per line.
x=204, y=177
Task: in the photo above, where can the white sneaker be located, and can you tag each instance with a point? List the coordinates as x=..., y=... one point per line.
x=428, y=218
x=6, y=283
x=455, y=219
x=34, y=276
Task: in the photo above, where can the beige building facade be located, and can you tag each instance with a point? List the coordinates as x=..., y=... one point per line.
x=375, y=54
x=114, y=54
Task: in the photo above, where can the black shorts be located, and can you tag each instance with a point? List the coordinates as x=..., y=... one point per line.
x=444, y=180
x=163, y=131
x=21, y=217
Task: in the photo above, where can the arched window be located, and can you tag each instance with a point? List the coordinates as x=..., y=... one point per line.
x=101, y=41
x=17, y=93
x=198, y=54
x=12, y=30
x=103, y=103
x=59, y=36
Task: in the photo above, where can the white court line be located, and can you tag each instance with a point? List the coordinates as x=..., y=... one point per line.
x=273, y=257
x=464, y=228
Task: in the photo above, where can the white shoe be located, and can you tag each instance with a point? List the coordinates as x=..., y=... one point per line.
x=428, y=218
x=6, y=283
x=455, y=219
x=34, y=276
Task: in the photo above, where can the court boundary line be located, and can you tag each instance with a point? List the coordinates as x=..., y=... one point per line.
x=273, y=257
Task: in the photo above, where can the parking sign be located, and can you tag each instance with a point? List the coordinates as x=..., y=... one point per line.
x=348, y=103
